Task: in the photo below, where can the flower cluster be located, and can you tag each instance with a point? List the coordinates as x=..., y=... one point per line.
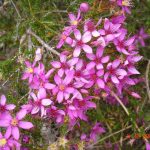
x=101, y=58
x=11, y=124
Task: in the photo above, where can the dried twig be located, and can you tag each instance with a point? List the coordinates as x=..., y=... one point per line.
x=16, y=9
x=120, y=102
x=42, y=42
x=147, y=80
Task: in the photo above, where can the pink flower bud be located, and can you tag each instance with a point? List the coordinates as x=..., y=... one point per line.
x=84, y=7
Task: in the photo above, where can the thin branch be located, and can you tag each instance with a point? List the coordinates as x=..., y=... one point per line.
x=120, y=102
x=147, y=80
x=16, y=9
x=42, y=42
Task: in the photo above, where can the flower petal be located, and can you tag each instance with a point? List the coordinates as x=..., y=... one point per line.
x=25, y=125
x=15, y=133
x=77, y=52
x=87, y=49
x=21, y=114
x=46, y=102
x=101, y=83
x=41, y=93
x=77, y=34
x=3, y=100
x=49, y=86
x=86, y=37
x=114, y=79
x=60, y=96
x=10, y=106
x=56, y=64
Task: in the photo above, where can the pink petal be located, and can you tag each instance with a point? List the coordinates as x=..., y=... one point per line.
x=25, y=125
x=69, y=77
x=15, y=133
x=69, y=90
x=99, y=52
x=61, y=72
x=46, y=102
x=10, y=106
x=35, y=110
x=63, y=58
x=60, y=97
x=99, y=66
x=101, y=83
x=8, y=133
x=57, y=79
x=41, y=93
x=95, y=33
x=77, y=52
x=87, y=49
x=136, y=95
x=72, y=17
x=4, y=123
x=116, y=63
x=73, y=61
x=69, y=41
x=133, y=70
x=114, y=79
x=90, y=65
x=90, y=56
x=21, y=114
x=105, y=59
x=121, y=72
x=109, y=37
x=106, y=24
x=77, y=34
x=3, y=100
x=49, y=86
x=56, y=64
x=91, y=104
x=33, y=96
x=86, y=37
x=129, y=41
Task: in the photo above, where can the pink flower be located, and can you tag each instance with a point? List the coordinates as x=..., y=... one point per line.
x=29, y=72
x=114, y=71
x=97, y=60
x=90, y=27
x=110, y=30
x=96, y=130
x=65, y=37
x=95, y=78
x=42, y=81
x=63, y=88
x=39, y=102
x=63, y=65
x=141, y=36
x=74, y=21
x=14, y=123
x=5, y=107
x=130, y=64
x=7, y=143
x=123, y=45
x=56, y=114
x=125, y=5
x=80, y=43
x=84, y=7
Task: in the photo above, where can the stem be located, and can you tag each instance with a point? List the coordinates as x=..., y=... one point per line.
x=147, y=80
x=42, y=42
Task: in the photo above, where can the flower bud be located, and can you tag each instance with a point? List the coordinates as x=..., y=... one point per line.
x=84, y=7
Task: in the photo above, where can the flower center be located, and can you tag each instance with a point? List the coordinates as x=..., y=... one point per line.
x=63, y=37
x=2, y=108
x=79, y=43
x=126, y=3
x=75, y=22
x=2, y=142
x=29, y=70
x=14, y=122
x=61, y=87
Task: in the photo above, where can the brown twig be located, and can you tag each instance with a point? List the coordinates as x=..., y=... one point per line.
x=42, y=42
